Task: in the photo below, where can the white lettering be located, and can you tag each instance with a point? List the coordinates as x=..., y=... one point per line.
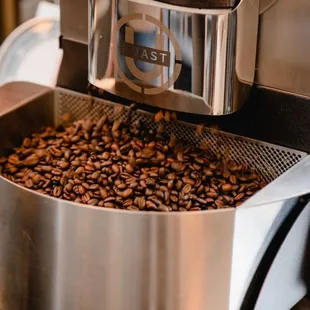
x=153, y=55
x=163, y=57
x=144, y=54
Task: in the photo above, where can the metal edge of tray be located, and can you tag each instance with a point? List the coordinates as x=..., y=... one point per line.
x=48, y=238
x=223, y=221
x=295, y=182
x=292, y=183
x=15, y=94
x=273, y=191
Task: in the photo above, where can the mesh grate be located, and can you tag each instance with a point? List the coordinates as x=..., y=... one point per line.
x=269, y=160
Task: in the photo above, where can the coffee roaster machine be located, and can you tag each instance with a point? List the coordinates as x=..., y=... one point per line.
x=240, y=65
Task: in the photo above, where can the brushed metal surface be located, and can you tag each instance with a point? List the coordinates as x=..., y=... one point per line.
x=282, y=61
x=16, y=94
x=284, y=43
x=212, y=54
x=73, y=20
x=287, y=273
x=254, y=230
x=58, y=255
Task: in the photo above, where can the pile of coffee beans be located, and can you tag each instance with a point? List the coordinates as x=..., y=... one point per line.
x=124, y=165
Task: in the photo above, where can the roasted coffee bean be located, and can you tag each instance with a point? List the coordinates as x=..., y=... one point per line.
x=133, y=208
x=188, y=181
x=239, y=197
x=159, y=116
x=163, y=208
x=219, y=204
x=94, y=187
x=202, y=201
x=149, y=192
x=57, y=171
x=187, y=188
x=79, y=170
x=126, y=193
x=57, y=191
x=81, y=190
x=176, y=166
x=29, y=183
x=109, y=205
x=151, y=205
x=199, y=129
x=106, y=155
x=31, y=160
x=226, y=188
x=68, y=188
x=159, y=194
x=233, y=179
x=167, y=116
x=241, y=188
x=116, y=125
x=115, y=168
x=93, y=202
x=125, y=166
x=140, y=202
x=212, y=194
x=150, y=182
x=129, y=168
x=133, y=185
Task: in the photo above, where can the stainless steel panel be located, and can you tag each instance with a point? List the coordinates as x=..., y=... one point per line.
x=284, y=44
x=58, y=255
x=254, y=230
x=16, y=94
x=282, y=61
x=73, y=20
x=198, y=61
x=288, y=271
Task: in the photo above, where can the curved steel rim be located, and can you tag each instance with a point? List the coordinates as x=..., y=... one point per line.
x=100, y=209
x=16, y=33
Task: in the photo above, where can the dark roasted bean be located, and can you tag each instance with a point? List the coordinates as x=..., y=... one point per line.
x=159, y=116
x=151, y=205
x=31, y=160
x=133, y=208
x=149, y=192
x=56, y=171
x=176, y=166
x=109, y=205
x=187, y=188
x=79, y=170
x=125, y=166
x=188, y=181
x=126, y=193
x=226, y=188
x=57, y=191
x=212, y=194
x=239, y=197
x=195, y=209
x=94, y=187
x=163, y=208
x=93, y=202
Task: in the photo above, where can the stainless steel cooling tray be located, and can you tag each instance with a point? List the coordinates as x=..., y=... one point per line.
x=56, y=254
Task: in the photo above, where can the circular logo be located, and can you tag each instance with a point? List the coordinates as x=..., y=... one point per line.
x=160, y=58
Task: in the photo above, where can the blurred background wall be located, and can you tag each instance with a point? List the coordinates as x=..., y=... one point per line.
x=15, y=12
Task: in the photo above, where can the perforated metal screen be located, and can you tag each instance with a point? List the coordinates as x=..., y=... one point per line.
x=269, y=160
